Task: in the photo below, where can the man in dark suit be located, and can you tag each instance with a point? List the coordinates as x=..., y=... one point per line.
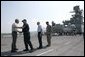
x=26, y=33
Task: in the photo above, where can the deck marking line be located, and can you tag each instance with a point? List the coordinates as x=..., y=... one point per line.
x=45, y=52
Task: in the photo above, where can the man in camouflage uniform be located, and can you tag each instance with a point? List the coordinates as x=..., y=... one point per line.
x=48, y=33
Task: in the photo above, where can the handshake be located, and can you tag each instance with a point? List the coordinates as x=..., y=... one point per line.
x=20, y=31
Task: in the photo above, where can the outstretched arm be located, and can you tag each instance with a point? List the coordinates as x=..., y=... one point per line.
x=18, y=27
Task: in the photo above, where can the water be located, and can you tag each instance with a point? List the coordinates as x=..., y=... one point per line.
x=8, y=35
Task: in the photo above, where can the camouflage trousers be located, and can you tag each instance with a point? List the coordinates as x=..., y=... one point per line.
x=49, y=39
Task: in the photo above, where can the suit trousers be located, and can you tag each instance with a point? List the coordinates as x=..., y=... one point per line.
x=27, y=40
x=14, y=36
x=40, y=39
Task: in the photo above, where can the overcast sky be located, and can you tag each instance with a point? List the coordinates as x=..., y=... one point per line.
x=35, y=11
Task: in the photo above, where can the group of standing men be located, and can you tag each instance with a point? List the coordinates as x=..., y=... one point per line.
x=26, y=34
x=48, y=33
